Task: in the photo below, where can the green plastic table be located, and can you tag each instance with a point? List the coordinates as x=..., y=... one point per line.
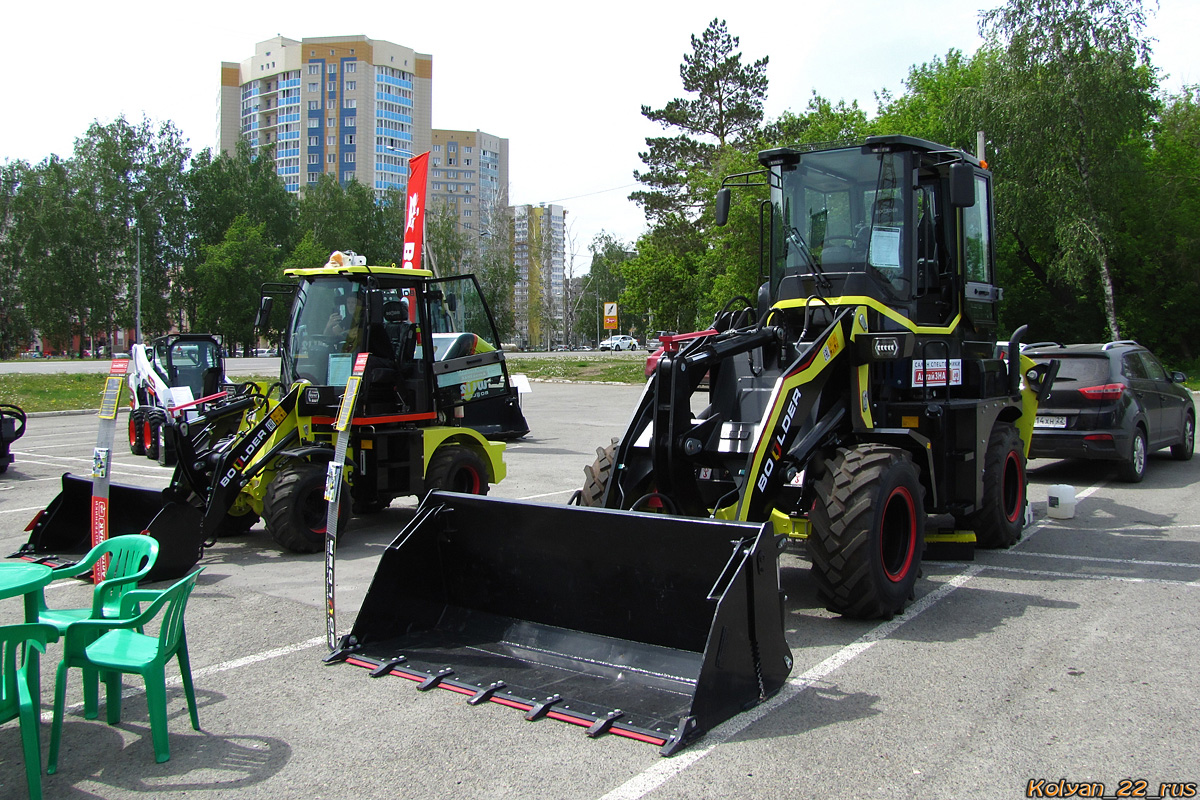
x=25, y=578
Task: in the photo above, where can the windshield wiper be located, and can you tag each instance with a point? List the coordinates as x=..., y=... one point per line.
x=796, y=240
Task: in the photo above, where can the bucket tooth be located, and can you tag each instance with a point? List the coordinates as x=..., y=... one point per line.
x=487, y=693
x=542, y=707
x=605, y=723
x=433, y=680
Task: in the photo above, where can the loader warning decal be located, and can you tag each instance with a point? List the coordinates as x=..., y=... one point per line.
x=934, y=373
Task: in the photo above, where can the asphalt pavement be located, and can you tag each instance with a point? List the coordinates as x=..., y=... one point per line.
x=1069, y=657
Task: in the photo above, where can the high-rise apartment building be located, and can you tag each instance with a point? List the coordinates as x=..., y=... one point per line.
x=540, y=253
x=347, y=106
x=468, y=175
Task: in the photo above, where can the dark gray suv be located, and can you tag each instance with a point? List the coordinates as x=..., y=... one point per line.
x=1114, y=402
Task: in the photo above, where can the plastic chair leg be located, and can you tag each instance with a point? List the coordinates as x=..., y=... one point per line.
x=91, y=692
x=112, y=695
x=156, y=700
x=60, y=701
x=30, y=723
x=189, y=690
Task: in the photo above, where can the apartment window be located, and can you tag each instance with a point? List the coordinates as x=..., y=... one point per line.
x=349, y=158
x=467, y=213
x=331, y=86
x=450, y=162
x=351, y=66
x=437, y=148
x=349, y=102
x=314, y=69
x=347, y=176
x=349, y=122
x=331, y=68
x=437, y=187
x=314, y=158
x=314, y=141
x=437, y=173
x=329, y=123
x=466, y=149
x=467, y=200
x=351, y=86
x=314, y=122
x=331, y=140
x=313, y=86
x=437, y=162
x=314, y=105
x=468, y=162
x=313, y=177
x=349, y=138
x=331, y=158
x=452, y=148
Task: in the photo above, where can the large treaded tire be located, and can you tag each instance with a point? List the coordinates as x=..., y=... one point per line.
x=999, y=520
x=596, y=475
x=457, y=468
x=295, y=511
x=136, y=446
x=868, y=532
x=150, y=436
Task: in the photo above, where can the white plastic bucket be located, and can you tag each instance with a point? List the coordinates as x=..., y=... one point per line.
x=1061, y=502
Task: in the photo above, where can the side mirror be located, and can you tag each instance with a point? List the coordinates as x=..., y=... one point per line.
x=1178, y=377
x=452, y=302
x=721, y=212
x=962, y=185
x=264, y=313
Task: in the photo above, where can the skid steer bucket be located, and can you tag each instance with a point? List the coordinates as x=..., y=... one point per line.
x=61, y=533
x=651, y=627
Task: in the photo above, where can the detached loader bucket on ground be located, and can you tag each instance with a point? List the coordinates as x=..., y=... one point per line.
x=61, y=533
x=651, y=627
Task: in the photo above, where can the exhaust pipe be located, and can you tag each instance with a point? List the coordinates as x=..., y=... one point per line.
x=647, y=626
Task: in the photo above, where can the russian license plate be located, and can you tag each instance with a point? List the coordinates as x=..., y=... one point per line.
x=1050, y=422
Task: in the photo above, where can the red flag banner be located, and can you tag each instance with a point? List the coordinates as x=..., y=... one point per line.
x=414, y=226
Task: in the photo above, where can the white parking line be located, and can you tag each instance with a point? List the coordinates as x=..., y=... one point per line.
x=266, y=655
x=650, y=779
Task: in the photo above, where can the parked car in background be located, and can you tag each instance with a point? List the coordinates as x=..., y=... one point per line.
x=1112, y=402
x=619, y=342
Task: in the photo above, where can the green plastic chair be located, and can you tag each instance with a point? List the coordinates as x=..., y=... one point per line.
x=17, y=698
x=130, y=559
x=108, y=648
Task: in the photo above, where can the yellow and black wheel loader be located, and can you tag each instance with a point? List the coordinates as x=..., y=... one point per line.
x=856, y=398
x=434, y=397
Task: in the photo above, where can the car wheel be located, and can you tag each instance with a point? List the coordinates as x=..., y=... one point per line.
x=1183, y=450
x=1133, y=469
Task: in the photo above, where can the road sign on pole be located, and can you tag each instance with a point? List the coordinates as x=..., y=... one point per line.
x=610, y=316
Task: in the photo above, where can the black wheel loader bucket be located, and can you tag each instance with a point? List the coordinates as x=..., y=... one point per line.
x=61, y=533
x=651, y=627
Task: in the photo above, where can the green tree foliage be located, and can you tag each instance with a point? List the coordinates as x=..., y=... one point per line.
x=220, y=189
x=605, y=283
x=15, y=329
x=1066, y=112
x=230, y=280
x=727, y=108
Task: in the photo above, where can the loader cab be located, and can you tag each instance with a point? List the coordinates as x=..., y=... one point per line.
x=897, y=220
x=432, y=342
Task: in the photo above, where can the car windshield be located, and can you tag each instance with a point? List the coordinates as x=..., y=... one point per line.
x=325, y=331
x=837, y=211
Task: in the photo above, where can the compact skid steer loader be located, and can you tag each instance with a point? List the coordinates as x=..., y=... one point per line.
x=431, y=367
x=855, y=397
